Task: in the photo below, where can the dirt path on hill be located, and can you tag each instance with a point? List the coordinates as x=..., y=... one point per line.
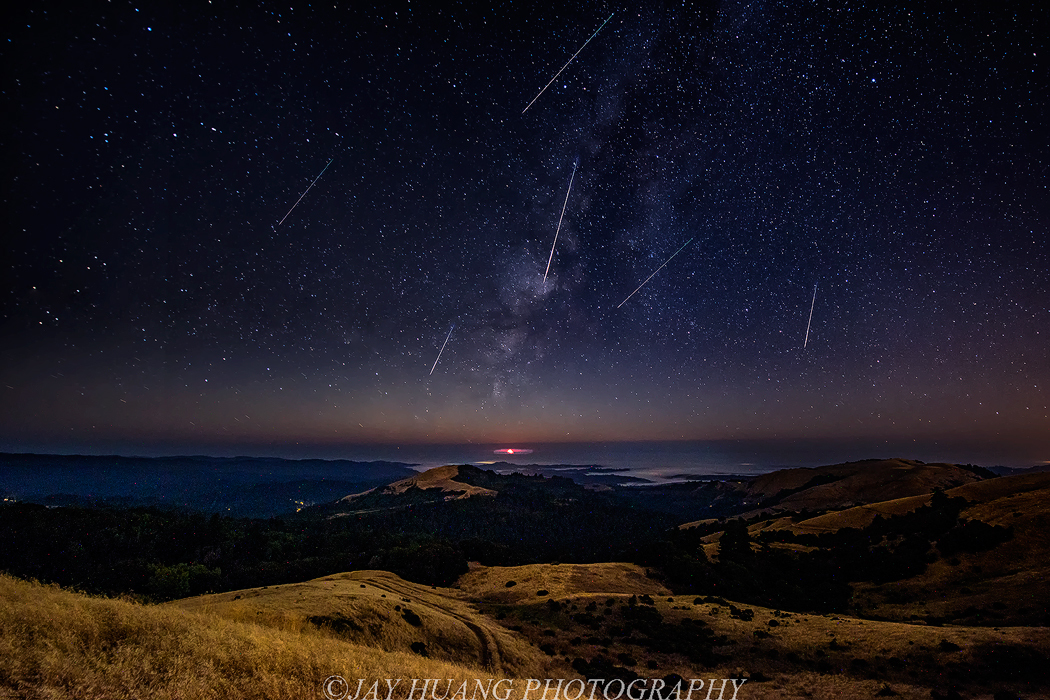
x=491, y=650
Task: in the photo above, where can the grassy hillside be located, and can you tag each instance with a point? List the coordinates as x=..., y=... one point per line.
x=613, y=621
x=593, y=621
x=957, y=573
x=992, y=500
x=858, y=517
x=526, y=584
x=59, y=644
x=438, y=484
x=1007, y=584
x=381, y=610
x=869, y=481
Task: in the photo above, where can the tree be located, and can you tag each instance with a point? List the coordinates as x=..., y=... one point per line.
x=735, y=543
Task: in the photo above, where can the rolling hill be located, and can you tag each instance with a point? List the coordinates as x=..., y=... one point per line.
x=592, y=621
x=843, y=485
x=57, y=643
x=1007, y=582
x=815, y=589
x=380, y=610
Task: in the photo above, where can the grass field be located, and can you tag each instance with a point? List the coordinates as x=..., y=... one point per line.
x=785, y=655
x=57, y=643
x=380, y=610
x=60, y=644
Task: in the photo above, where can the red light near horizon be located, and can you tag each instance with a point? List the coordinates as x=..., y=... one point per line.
x=512, y=451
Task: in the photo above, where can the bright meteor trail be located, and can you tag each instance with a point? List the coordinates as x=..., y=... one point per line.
x=304, y=193
x=442, y=348
x=574, y=165
x=808, y=323
x=655, y=271
x=567, y=64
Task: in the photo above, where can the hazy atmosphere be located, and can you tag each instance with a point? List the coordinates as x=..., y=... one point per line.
x=287, y=229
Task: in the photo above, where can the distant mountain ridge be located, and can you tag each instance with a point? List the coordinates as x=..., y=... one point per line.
x=1013, y=471
x=240, y=486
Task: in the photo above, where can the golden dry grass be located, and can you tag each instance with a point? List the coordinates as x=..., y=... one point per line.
x=369, y=608
x=860, y=491
x=489, y=584
x=60, y=644
x=991, y=489
x=1009, y=584
x=857, y=517
x=438, y=478
x=870, y=482
x=995, y=501
x=855, y=657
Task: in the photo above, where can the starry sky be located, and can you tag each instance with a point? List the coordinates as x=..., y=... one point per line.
x=159, y=285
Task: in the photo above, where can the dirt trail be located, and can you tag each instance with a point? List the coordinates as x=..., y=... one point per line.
x=491, y=650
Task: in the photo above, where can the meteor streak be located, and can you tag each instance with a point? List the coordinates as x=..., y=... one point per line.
x=567, y=64
x=808, y=323
x=560, y=218
x=442, y=348
x=655, y=271
x=304, y=193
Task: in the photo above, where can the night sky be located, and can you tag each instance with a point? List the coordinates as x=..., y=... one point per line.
x=896, y=158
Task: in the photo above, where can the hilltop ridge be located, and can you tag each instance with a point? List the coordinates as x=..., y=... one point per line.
x=852, y=483
x=441, y=478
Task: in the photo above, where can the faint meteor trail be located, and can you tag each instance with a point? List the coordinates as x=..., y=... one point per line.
x=442, y=348
x=655, y=271
x=304, y=193
x=567, y=64
x=810, y=321
x=574, y=165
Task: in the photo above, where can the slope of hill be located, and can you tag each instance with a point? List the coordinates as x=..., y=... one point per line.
x=856, y=517
x=843, y=485
x=378, y=609
x=611, y=620
x=435, y=485
x=517, y=584
x=1005, y=584
x=1029, y=487
x=441, y=478
x=987, y=563
x=510, y=518
x=57, y=643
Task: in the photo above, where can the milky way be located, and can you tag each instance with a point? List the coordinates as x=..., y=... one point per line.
x=895, y=154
